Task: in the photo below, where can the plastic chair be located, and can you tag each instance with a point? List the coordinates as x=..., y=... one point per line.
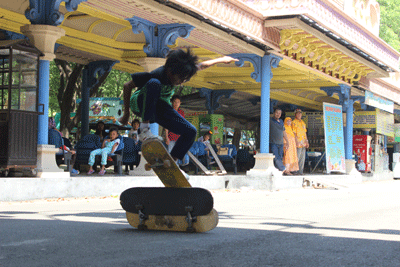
x=244, y=160
x=131, y=153
x=83, y=148
x=230, y=159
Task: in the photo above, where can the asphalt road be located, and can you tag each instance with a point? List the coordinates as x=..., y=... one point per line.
x=358, y=226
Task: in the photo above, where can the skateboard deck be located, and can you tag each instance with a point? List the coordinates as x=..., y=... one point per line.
x=169, y=209
x=160, y=161
x=176, y=223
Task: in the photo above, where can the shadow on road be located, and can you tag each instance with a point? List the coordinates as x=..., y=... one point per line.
x=106, y=239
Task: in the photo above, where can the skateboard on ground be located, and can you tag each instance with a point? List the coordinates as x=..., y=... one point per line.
x=169, y=209
x=163, y=164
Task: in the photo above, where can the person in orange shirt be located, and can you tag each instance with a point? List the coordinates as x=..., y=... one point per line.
x=300, y=132
x=290, y=159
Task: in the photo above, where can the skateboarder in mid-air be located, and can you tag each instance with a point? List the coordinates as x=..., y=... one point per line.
x=152, y=103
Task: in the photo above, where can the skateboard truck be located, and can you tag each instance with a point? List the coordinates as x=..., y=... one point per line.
x=142, y=218
x=190, y=219
x=157, y=164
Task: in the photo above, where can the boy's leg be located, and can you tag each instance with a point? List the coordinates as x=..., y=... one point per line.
x=171, y=146
x=147, y=102
x=169, y=118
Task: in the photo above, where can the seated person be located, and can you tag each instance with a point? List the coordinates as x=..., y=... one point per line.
x=133, y=133
x=100, y=130
x=108, y=147
x=206, y=139
x=58, y=141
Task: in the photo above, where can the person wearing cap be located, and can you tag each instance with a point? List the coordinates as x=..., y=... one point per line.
x=300, y=132
x=276, y=136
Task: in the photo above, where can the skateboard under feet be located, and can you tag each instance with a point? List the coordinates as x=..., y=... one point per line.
x=160, y=161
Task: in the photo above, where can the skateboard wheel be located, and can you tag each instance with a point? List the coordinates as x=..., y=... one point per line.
x=142, y=227
x=190, y=230
x=167, y=163
x=147, y=167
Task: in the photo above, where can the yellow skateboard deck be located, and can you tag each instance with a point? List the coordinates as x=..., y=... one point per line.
x=163, y=164
x=175, y=223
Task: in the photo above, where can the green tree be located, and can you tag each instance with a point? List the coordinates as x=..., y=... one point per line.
x=65, y=89
x=390, y=22
x=114, y=84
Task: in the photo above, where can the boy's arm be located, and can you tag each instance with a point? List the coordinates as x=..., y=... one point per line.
x=127, y=97
x=208, y=63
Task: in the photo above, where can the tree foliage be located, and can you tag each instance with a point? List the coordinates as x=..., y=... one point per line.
x=390, y=22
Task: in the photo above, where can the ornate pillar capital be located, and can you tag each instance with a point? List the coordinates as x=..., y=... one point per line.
x=97, y=69
x=159, y=37
x=44, y=38
x=255, y=60
x=47, y=12
x=212, y=97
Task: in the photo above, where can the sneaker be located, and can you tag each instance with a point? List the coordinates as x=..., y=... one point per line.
x=74, y=172
x=102, y=172
x=147, y=134
x=90, y=172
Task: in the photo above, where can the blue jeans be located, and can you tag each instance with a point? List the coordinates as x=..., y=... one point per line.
x=277, y=150
x=185, y=160
x=159, y=111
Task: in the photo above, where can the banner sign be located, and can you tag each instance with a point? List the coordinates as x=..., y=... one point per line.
x=334, y=138
x=375, y=101
x=397, y=132
x=104, y=106
x=384, y=123
x=364, y=120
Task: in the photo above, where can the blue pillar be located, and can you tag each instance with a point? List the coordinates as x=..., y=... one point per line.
x=263, y=74
x=43, y=96
x=90, y=78
x=85, y=104
x=348, y=136
x=46, y=12
x=265, y=103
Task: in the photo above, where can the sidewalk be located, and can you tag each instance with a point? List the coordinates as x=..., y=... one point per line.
x=19, y=188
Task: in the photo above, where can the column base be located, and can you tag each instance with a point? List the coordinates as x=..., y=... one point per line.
x=264, y=165
x=351, y=167
x=140, y=170
x=46, y=163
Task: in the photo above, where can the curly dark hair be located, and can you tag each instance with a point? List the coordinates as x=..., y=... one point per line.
x=181, y=63
x=175, y=97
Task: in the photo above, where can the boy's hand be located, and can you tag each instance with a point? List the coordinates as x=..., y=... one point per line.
x=228, y=59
